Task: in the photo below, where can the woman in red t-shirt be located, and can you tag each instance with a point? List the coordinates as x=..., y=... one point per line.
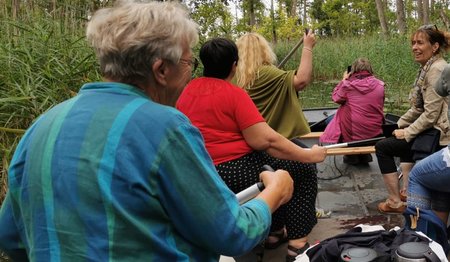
x=240, y=142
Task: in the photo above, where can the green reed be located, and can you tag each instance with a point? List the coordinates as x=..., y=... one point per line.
x=391, y=60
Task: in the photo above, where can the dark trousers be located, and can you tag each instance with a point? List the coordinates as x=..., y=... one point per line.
x=388, y=148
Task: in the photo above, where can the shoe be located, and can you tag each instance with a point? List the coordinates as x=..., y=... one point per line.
x=365, y=158
x=351, y=159
x=298, y=251
x=387, y=207
x=281, y=237
x=320, y=213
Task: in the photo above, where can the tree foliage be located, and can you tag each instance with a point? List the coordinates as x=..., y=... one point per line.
x=214, y=18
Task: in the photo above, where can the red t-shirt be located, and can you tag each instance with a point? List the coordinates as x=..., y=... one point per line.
x=220, y=111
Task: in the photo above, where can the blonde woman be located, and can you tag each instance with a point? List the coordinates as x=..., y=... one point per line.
x=275, y=94
x=273, y=90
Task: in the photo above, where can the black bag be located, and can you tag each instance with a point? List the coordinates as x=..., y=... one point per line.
x=384, y=242
x=426, y=143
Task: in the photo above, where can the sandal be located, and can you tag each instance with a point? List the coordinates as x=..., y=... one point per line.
x=298, y=251
x=280, y=236
x=388, y=207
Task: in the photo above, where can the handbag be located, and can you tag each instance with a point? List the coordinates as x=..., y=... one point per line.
x=426, y=143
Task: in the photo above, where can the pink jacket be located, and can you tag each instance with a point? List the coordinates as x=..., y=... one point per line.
x=360, y=115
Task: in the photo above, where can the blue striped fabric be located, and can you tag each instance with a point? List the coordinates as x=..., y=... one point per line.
x=110, y=175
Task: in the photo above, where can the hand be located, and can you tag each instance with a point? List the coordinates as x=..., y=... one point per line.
x=346, y=75
x=399, y=133
x=319, y=153
x=279, y=184
x=309, y=40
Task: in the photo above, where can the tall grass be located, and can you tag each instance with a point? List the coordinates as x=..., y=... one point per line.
x=391, y=59
x=42, y=65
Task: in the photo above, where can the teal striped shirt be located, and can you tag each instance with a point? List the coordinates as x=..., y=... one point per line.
x=110, y=175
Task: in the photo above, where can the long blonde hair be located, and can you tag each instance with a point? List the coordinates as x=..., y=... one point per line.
x=254, y=51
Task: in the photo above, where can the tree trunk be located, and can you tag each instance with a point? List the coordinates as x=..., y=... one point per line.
x=444, y=18
x=305, y=21
x=420, y=11
x=293, y=8
x=272, y=13
x=251, y=11
x=15, y=9
x=401, y=20
x=15, y=14
x=382, y=17
x=426, y=12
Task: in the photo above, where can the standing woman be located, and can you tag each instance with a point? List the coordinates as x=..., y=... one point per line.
x=275, y=91
x=428, y=109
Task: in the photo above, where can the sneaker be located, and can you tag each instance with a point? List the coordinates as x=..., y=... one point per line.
x=388, y=207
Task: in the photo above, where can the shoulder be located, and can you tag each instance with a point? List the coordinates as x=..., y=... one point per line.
x=152, y=115
x=270, y=75
x=273, y=70
x=436, y=68
x=376, y=81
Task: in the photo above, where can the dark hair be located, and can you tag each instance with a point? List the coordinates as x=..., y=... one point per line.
x=218, y=56
x=434, y=35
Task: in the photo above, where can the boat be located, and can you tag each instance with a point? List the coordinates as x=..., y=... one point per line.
x=348, y=195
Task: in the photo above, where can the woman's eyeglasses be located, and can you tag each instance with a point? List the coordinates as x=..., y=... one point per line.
x=191, y=62
x=429, y=27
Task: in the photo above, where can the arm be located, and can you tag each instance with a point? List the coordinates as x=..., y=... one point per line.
x=433, y=104
x=415, y=120
x=200, y=205
x=261, y=136
x=414, y=113
x=339, y=94
x=304, y=72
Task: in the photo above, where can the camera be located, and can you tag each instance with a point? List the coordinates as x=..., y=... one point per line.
x=349, y=69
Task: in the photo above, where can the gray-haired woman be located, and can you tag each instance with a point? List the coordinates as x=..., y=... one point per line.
x=114, y=174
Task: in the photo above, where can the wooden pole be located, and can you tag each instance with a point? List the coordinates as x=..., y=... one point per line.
x=288, y=56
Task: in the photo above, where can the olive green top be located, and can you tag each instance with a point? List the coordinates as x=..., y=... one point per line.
x=277, y=100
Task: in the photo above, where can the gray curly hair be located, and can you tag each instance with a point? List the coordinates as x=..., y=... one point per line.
x=130, y=36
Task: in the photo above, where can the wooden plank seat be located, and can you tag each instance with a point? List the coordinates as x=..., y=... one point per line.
x=351, y=150
x=357, y=150
x=312, y=135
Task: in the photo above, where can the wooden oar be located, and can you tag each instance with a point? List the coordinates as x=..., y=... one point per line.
x=281, y=64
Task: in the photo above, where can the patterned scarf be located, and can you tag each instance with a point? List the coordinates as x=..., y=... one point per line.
x=416, y=96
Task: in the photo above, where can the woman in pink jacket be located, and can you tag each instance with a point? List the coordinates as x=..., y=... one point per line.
x=360, y=115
